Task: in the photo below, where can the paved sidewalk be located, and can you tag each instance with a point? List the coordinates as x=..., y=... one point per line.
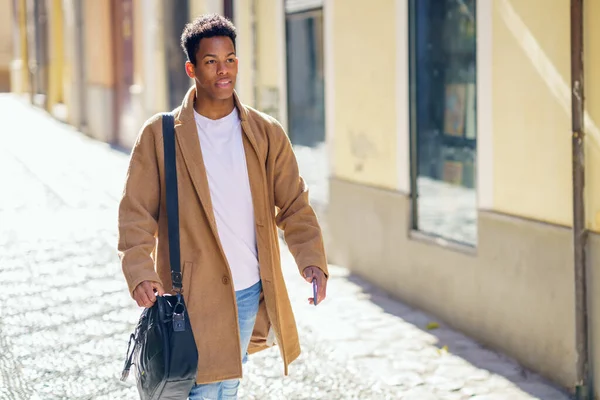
x=65, y=314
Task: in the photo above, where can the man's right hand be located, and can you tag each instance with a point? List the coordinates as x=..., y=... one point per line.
x=144, y=293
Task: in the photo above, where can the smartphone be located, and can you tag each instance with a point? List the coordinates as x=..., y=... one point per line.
x=315, y=290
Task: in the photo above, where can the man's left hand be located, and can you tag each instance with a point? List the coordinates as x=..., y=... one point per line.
x=311, y=273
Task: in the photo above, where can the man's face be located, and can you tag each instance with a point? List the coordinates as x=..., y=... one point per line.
x=216, y=67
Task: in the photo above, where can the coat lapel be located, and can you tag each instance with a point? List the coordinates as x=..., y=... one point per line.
x=189, y=146
x=256, y=166
x=246, y=126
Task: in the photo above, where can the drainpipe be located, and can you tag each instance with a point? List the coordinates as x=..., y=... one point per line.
x=583, y=388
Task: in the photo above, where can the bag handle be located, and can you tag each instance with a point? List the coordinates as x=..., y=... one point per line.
x=168, y=128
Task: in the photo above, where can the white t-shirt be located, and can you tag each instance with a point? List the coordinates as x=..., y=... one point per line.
x=227, y=172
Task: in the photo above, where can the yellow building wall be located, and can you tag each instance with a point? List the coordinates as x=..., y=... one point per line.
x=532, y=109
x=592, y=101
x=98, y=43
x=57, y=55
x=20, y=81
x=196, y=8
x=156, y=55
x=6, y=43
x=243, y=17
x=270, y=61
x=267, y=44
x=69, y=70
x=364, y=43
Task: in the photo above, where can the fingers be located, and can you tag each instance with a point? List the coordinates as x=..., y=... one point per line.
x=158, y=287
x=322, y=290
x=144, y=294
x=321, y=287
x=149, y=292
x=142, y=298
x=309, y=273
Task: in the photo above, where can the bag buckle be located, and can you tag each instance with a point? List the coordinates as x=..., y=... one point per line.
x=176, y=279
x=179, y=315
x=178, y=322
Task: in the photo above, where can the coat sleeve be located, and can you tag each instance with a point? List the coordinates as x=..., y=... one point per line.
x=296, y=217
x=138, y=212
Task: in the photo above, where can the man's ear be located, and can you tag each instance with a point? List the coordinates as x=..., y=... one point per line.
x=190, y=69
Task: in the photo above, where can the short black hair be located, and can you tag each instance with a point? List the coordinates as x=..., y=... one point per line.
x=205, y=26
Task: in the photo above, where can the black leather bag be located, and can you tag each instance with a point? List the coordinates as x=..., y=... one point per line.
x=164, y=351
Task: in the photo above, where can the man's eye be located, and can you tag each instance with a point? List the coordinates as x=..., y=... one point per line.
x=230, y=60
x=210, y=61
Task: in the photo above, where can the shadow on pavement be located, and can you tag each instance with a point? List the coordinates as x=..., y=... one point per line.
x=460, y=345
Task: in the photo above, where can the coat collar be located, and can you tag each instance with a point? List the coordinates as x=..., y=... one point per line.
x=186, y=112
x=185, y=118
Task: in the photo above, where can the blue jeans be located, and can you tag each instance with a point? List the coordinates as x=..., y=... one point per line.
x=247, y=303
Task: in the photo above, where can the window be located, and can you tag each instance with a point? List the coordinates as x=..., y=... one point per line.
x=306, y=94
x=175, y=17
x=305, y=78
x=443, y=118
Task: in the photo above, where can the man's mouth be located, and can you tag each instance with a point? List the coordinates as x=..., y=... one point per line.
x=223, y=83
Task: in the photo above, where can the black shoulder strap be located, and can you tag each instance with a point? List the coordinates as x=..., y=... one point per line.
x=168, y=128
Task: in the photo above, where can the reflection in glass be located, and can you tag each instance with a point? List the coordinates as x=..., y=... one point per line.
x=443, y=123
x=306, y=98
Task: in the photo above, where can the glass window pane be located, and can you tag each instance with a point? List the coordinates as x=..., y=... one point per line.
x=306, y=88
x=306, y=98
x=443, y=101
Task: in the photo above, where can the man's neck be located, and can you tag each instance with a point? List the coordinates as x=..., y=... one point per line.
x=213, y=109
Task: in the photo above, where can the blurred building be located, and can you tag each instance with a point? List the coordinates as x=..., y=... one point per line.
x=435, y=136
x=6, y=41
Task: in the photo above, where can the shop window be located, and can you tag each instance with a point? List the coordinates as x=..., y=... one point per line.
x=305, y=78
x=306, y=94
x=443, y=118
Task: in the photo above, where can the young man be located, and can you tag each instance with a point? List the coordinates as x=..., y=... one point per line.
x=238, y=181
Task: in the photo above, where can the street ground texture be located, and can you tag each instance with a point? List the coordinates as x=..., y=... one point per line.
x=66, y=315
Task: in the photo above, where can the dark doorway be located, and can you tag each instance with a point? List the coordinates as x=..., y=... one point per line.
x=176, y=16
x=228, y=9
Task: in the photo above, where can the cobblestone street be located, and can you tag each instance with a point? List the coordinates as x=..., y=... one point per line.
x=66, y=315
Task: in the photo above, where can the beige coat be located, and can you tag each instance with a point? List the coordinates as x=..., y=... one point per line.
x=280, y=199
